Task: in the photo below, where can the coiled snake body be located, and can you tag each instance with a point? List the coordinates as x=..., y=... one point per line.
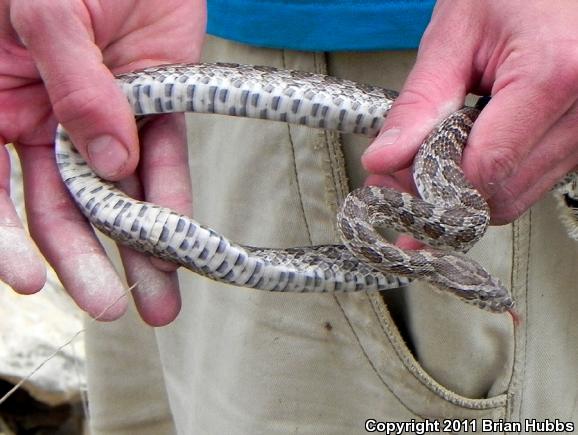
x=451, y=214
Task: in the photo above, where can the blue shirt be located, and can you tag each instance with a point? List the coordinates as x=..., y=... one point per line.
x=321, y=25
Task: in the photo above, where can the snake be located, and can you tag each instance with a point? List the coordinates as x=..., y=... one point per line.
x=449, y=216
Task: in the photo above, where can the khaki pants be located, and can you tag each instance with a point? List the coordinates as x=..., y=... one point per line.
x=241, y=361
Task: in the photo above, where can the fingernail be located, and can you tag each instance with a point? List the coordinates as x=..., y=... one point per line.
x=388, y=137
x=107, y=155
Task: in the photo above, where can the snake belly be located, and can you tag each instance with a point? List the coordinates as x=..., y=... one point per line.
x=450, y=214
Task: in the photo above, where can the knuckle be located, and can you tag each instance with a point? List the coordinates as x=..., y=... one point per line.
x=423, y=88
x=29, y=17
x=76, y=104
x=557, y=77
x=506, y=206
x=499, y=164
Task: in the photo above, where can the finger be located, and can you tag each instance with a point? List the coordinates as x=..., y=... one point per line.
x=509, y=128
x=408, y=243
x=66, y=239
x=83, y=92
x=554, y=155
x=156, y=292
x=21, y=267
x=435, y=87
x=164, y=167
x=401, y=181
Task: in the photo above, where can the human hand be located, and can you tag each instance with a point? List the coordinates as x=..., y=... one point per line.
x=523, y=53
x=57, y=61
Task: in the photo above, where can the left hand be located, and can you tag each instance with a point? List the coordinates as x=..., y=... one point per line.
x=57, y=61
x=523, y=53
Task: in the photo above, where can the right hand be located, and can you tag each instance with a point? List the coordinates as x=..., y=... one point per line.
x=57, y=60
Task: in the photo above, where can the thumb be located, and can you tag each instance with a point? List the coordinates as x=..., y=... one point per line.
x=83, y=92
x=435, y=87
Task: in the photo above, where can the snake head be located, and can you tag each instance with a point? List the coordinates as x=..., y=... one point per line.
x=471, y=283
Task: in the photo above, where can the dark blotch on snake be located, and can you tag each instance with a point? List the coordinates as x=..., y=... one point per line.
x=422, y=209
x=96, y=209
x=191, y=91
x=473, y=200
x=275, y=103
x=222, y=267
x=417, y=260
x=222, y=246
x=570, y=202
x=164, y=235
x=365, y=234
x=466, y=235
x=430, y=166
x=158, y=105
x=315, y=109
x=346, y=229
x=349, y=265
x=191, y=231
x=371, y=254
x=230, y=276
x=204, y=254
x=392, y=254
x=454, y=216
x=241, y=259
x=244, y=97
x=433, y=230
x=454, y=175
x=169, y=89
x=309, y=94
x=180, y=225
x=295, y=106
x=212, y=96
x=223, y=94
x=406, y=218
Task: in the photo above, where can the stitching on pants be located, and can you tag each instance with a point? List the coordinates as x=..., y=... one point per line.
x=295, y=173
x=370, y=362
x=335, y=170
x=521, y=338
x=413, y=367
